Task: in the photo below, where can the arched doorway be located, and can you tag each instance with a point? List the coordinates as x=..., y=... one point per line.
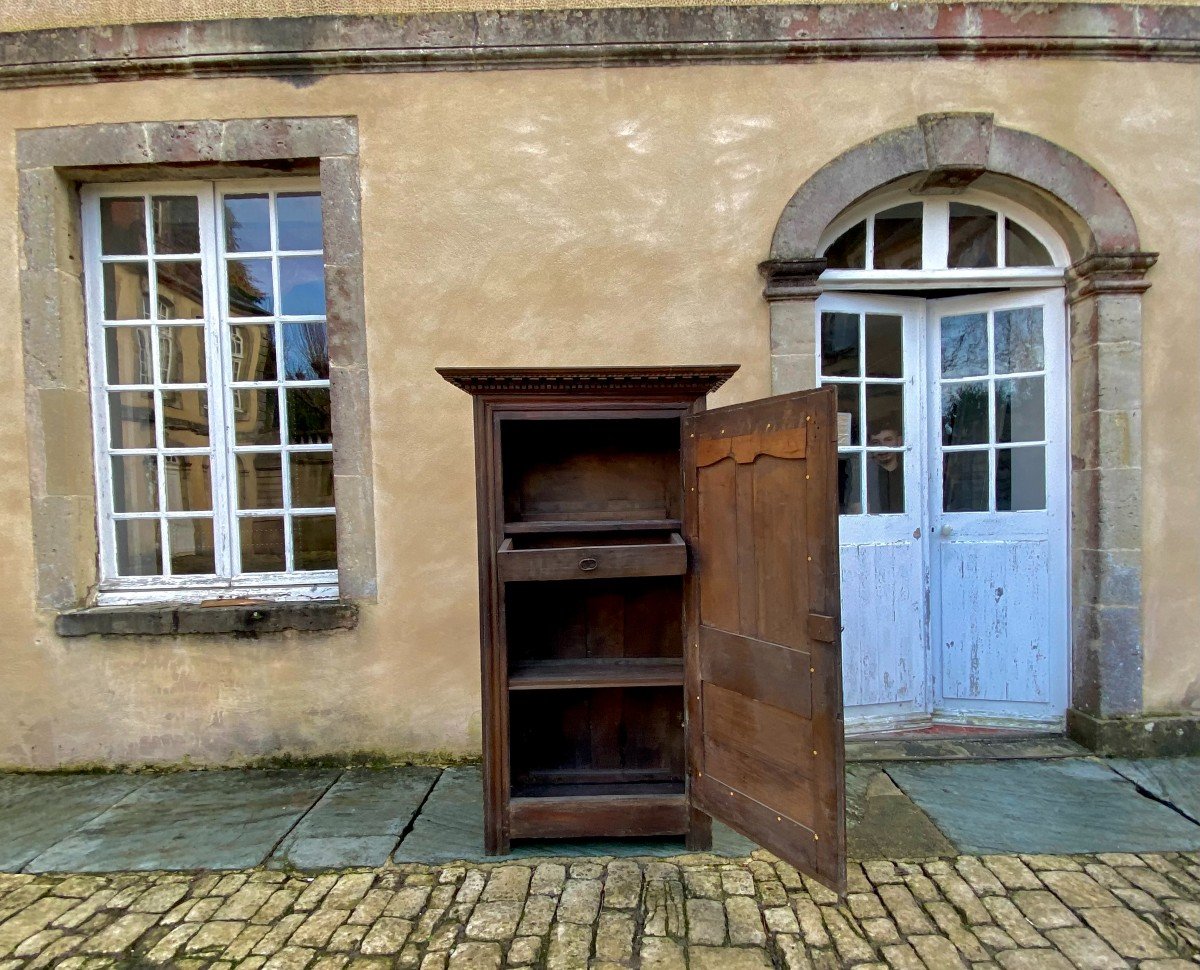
x=942, y=326
x=1038, y=191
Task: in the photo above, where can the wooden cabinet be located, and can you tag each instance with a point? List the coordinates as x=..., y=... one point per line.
x=659, y=610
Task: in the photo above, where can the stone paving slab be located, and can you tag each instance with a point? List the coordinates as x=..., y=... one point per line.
x=191, y=820
x=1064, y=806
x=697, y=912
x=1173, y=780
x=882, y=822
x=450, y=828
x=359, y=821
x=36, y=811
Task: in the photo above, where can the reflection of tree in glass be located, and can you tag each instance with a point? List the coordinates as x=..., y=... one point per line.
x=308, y=415
x=964, y=345
x=964, y=414
x=306, y=352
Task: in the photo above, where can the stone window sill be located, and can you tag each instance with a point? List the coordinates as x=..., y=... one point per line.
x=185, y=619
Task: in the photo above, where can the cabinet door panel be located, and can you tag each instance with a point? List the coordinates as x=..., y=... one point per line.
x=764, y=671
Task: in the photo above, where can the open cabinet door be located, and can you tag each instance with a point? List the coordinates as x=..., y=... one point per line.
x=764, y=665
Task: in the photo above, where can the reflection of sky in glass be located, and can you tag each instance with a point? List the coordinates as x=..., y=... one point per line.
x=247, y=224
x=250, y=288
x=1019, y=340
x=299, y=220
x=964, y=345
x=302, y=285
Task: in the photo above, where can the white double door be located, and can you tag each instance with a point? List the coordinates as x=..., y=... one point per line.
x=953, y=487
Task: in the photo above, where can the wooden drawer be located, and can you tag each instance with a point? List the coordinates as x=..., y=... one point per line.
x=524, y=558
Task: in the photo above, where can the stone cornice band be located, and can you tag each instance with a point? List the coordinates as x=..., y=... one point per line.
x=298, y=49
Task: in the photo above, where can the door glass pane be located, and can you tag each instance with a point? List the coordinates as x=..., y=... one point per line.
x=885, y=415
x=1020, y=409
x=299, y=217
x=180, y=291
x=250, y=289
x=973, y=231
x=1021, y=248
x=262, y=544
x=849, y=484
x=247, y=224
x=122, y=227
x=839, y=345
x=849, y=421
x=126, y=291
x=965, y=413
x=898, y=237
x=181, y=355
x=129, y=356
x=135, y=483
x=188, y=483
x=260, y=481
x=185, y=419
x=176, y=224
x=192, y=547
x=258, y=417
x=885, y=345
x=965, y=483
x=1019, y=340
x=314, y=539
x=131, y=419
x=885, y=482
x=138, y=550
x=849, y=250
x=305, y=352
x=252, y=352
x=1020, y=479
x=964, y=345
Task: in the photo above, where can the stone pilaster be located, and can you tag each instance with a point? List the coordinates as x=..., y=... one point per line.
x=792, y=290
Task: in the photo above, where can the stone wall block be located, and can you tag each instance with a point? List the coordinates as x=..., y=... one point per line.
x=793, y=328
x=65, y=534
x=263, y=139
x=66, y=417
x=83, y=146
x=1119, y=376
x=1119, y=659
x=345, y=316
x=1107, y=577
x=355, y=535
x=351, y=419
x=793, y=372
x=185, y=141
x=54, y=356
x=1115, y=520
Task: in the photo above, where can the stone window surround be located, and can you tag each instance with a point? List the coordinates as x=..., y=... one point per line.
x=1105, y=283
x=52, y=163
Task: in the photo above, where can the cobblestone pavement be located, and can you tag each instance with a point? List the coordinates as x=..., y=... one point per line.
x=1009, y=912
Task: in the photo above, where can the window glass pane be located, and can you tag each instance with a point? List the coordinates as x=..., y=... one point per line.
x=302, y=286
x=849, y=484
x=126, y=291
x=305, y=352
x=314, y=541
x=180, y=291
x=181, y=355
x=885, y=415
x=185, y=419
x=128, y=355
x=312, y=479
x=192, y=546
x=252, y=349
x=885, y=345
x=849, y=250
x=1020, y=479
x=1020, y=409
x=176, y=224
x=1019, y=340
x=139, y=552
x=299, y=219
x=898, y=237
x=188, y=483
x=972, y=237
x=849, y=419
x=262, y=544
x=308, y=416
x=135, y=483
x=131, y=419
x=260, y=481
x=839, y=344
x=250, y=290
x=258, y=422
x=885, y=482
x=965, y=413
x=1021, y=247
x=247, y=224
x=964, y=345
x=122, y=227
x=965, y=481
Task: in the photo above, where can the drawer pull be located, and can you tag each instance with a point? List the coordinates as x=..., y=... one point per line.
x=587, y=565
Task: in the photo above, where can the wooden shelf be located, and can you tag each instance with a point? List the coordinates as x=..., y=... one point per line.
x=538, y=526
x=597, y=672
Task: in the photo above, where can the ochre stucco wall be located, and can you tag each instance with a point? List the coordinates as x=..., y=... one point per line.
x=557, y=218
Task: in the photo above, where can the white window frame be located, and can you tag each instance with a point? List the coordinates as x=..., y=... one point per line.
x=935, y=245
x=228, y=581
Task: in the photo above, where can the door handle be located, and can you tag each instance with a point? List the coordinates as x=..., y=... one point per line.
x=945, y=531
